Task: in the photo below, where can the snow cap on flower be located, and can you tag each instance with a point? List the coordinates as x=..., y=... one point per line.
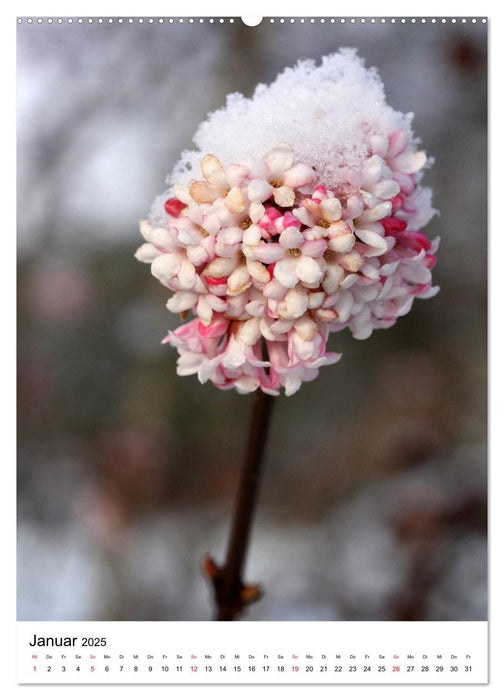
x=307, y=224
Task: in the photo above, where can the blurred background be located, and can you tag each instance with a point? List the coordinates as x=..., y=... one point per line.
x=373, y=504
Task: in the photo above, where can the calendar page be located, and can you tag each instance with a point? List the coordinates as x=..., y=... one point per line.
x=252, y=258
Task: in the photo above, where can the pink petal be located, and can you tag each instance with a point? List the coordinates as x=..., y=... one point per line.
x=258, y=271
x=214, y=329
x=376, y=213
x=409, y=162
x=182, y=301
x=379, y=144
x=299, y=175
x=274, y=290
x=315, y=233
x=354, y=177
x=187, y=274
x=307, y=269
x=236, y=174
x=304, y=216
x=204, y=310
x=256, y=211
x=296, y=301
x=303, y=349
x=234, y=200
x=372, y=171
x=370, y=271
x=239, y=280
x=220, y=267
x=319, y=193
x=416, y=273
x=331, y=209
x=351, y=261
x=349, y=281
x=316, y=299
x=147, y=253
x=269, y=252
x=259, y=190
x=343, y=243
x=209, y=165
x=188, y=363
x=306, y=328
x=333, y=278
x=234, y=356
x=216, y=303
x=211, y=223
x=230, y=235
x=291, y=238
x=182, y=192
x=385, y=189
x=188, y=234
x=202, y=191
x=159, y=236
x=223, y=250
x=166, y=266
x=255, y=307
x=252, y=235
x=284, y=196
x=344, y=305
x=249, y=331
x=354, y=207
x=407, y=182
x=246, y=385
x=288, y=219
x=314, y=249
x=279, y=160
x=282, y=327
x=285, y=272
x=398, y=141
x=377, y=242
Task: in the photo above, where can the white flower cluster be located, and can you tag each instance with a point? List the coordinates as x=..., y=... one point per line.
x=272, y=252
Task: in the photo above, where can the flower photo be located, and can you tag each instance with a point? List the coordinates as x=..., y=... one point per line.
x=289, y=243
x=252, y=338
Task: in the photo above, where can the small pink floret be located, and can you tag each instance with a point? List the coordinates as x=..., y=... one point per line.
x=174, y=206
x=282, y=278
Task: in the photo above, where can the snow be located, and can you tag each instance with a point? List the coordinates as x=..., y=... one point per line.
x=325, y=113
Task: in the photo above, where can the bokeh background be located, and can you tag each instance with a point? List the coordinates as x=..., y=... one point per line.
x=373, y=505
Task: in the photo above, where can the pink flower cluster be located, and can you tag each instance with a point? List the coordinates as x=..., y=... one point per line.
x=270, y=260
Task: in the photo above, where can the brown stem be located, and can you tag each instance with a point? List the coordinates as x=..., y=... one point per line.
x=230, y=593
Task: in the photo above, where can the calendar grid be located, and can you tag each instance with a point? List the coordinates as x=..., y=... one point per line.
x=257, y=652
